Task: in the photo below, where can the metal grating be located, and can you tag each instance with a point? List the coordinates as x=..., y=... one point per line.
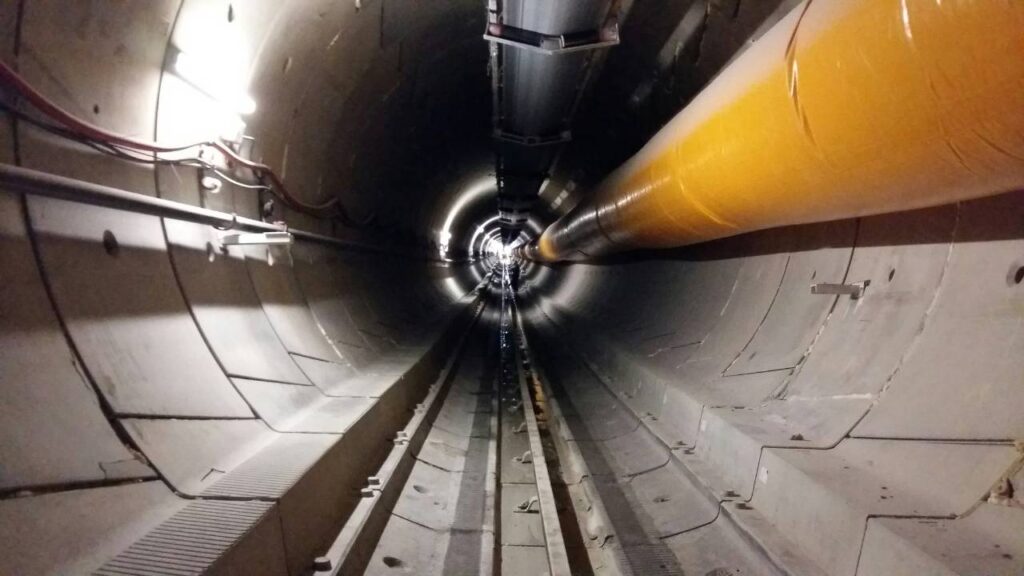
x=649, y=560
x=189, y=542
x=271, y=472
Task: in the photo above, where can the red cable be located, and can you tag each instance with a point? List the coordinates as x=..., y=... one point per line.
x=58, y=114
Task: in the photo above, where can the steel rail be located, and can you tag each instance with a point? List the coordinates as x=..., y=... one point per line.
x=558, y=556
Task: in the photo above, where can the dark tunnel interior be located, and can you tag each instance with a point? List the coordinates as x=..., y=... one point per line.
x=512, y=287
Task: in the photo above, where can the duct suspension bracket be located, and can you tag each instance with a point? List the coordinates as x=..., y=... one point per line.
x=520, y=140
x=553, y=43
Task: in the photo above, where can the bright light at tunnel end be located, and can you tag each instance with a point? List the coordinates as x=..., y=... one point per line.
x=469, y=195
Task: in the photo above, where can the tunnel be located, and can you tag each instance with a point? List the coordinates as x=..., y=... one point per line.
x=512, y=287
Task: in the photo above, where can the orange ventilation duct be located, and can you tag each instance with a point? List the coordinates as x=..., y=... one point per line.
x=845, y=108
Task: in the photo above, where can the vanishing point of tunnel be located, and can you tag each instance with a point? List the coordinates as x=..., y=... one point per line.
x=512, y=287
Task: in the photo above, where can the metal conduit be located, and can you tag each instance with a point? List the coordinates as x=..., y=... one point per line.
x=541, y=52
x=845, y=108
x=17, y=180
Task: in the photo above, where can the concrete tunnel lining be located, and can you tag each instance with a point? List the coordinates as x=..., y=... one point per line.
x=172, y=404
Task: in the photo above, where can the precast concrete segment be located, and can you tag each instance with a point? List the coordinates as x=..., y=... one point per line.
x=286, y=307
x=215, y=281
x=96, y=260
x=76, y=531
x=52, y=421
x=855, y=478
x=921, y=371
x=845, y=108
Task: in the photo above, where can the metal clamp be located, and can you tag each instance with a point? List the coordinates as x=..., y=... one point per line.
x=257, y=238
x=553, y=43
x=526, y=458
x=522, y=140
x=531, y=506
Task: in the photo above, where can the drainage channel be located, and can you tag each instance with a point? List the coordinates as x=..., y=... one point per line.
x=473, y=485
x=526, y=480
x=566, y=550
x=436, y=487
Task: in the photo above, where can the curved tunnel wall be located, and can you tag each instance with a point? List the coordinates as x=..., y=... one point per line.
x=127, y=338
x=830, y=417
x=144, y=364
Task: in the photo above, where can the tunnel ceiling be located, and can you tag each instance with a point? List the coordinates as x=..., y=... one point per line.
x=389, y=105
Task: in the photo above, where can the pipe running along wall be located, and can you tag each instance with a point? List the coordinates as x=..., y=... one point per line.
x=845, y=108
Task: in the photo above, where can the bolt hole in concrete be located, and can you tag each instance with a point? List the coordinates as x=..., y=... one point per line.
x=392, y=562
x=1018, y=275
x=110, y=244
x=892, y=272
x=420, y=489
x=210, y=184
x=231, y=13
x=95, y=108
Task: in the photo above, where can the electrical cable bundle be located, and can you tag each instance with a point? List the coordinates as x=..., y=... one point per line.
x=66, y=125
